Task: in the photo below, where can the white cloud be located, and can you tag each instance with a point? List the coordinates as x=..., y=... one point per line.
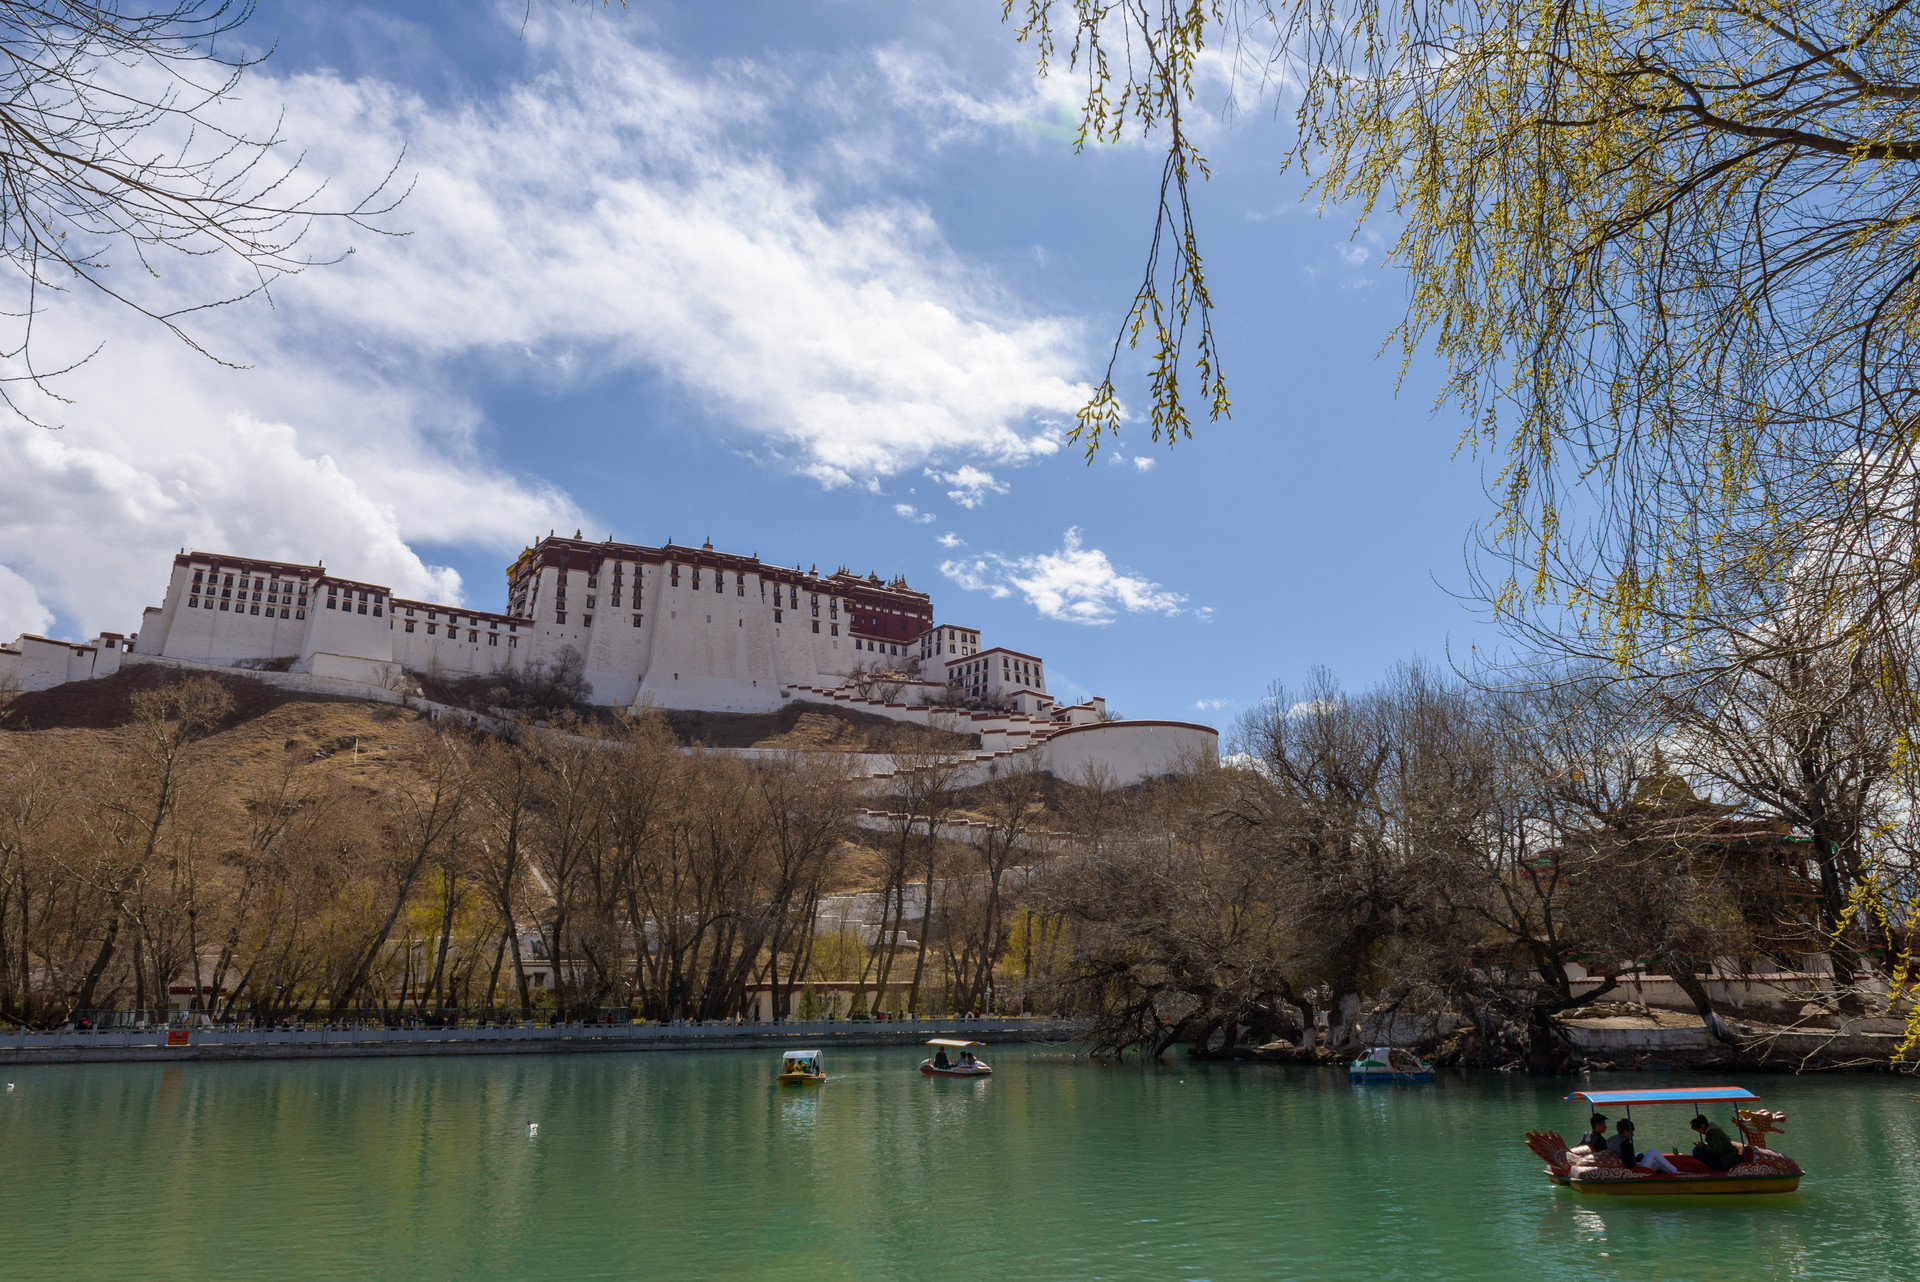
x=971, y=485
x=20, y=608
x=1213, y=705
x=951, y=540
x=1353, y=255
x=609, y=211
x=909, y=512
x=1144, y=464
x=975, y=576
x=1076, y=584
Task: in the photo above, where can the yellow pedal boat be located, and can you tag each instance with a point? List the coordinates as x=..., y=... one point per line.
x=801, y=1068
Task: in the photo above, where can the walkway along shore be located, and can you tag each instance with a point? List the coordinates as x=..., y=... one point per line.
x=151, y=1046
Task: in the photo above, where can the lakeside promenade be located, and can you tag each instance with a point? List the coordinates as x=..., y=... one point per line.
x=178, y=1045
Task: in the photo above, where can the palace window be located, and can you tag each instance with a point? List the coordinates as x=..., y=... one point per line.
x=616, y=597
x=473, y=636
x=493, y=638
x=283, y=611
x=559, y=616
x=696, y=578
x=776, y=614
x=299, y=614
x=636, y=620
x=593, y=581
x=719, y=581
x=589, y=603
x=835, y=628
x=673, y=573
x=223, y=605
x=332, y=604
x=513, y=643
x=409, y=625
x=433, y=629
x=816, y=622
x=586, y=620
x=739, y=585
x=193, y=603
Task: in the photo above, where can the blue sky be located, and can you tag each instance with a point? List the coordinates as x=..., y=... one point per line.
x=818, y=281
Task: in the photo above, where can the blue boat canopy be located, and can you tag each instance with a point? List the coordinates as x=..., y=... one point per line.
x=1675, y=1095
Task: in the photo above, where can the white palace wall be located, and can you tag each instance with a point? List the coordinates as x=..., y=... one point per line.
x=676, y=627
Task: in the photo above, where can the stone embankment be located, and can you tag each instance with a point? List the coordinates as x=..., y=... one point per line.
x=1666, y=1041
x=215, y=1044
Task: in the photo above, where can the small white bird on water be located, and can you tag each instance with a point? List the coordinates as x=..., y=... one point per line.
x=533, y=1129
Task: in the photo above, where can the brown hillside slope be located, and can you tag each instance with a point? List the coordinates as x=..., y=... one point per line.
x=357, y=742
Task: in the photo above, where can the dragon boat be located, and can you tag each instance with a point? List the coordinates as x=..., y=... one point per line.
x=1760, y=1169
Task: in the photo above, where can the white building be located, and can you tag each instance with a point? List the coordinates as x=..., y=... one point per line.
x=673, y=626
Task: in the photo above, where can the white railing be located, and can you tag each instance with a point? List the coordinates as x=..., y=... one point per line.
x=318, y=1036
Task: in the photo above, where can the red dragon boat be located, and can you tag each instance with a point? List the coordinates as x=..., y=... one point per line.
x=1760, y=1169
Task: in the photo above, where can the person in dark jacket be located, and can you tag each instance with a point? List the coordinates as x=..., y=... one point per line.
x=1622, y=1147
x=1596, y=1137
x=1714, y=1148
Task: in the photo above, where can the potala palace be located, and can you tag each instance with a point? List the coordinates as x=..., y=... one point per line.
x=671, y=627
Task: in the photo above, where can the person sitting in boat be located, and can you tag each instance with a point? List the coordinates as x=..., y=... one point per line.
x=1596, y=1137
x=967, y=1060
x=1652, y=1159
x=940, y=1059
x=1714, y=1148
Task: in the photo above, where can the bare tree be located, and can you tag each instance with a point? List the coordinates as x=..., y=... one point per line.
x=115, y=151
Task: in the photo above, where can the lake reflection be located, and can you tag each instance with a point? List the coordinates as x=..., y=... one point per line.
x=695, y=1165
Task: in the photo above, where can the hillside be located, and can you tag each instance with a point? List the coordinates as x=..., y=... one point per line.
x=360, y=742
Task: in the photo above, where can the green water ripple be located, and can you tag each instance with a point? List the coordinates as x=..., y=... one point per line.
x=694, y=1165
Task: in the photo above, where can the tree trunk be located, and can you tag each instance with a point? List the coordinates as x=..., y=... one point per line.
x=1680, y=968
x=99, y=966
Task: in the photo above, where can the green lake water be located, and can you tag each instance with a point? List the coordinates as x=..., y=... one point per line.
x=695, y=1165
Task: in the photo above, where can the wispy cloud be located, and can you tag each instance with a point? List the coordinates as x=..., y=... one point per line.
x=1076, y=584
x=951, y=540
x=907, y=511
x=971, y=485
x=1144, y=464
x=610, y=209
x=1214, y=705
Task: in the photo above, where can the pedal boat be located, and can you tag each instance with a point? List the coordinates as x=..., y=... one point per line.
x=1389, y=1064
x=800, y=1068
x=1760, y=1170
x=955, y=1069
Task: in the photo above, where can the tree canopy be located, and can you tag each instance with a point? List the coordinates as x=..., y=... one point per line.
x=1665, y=250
